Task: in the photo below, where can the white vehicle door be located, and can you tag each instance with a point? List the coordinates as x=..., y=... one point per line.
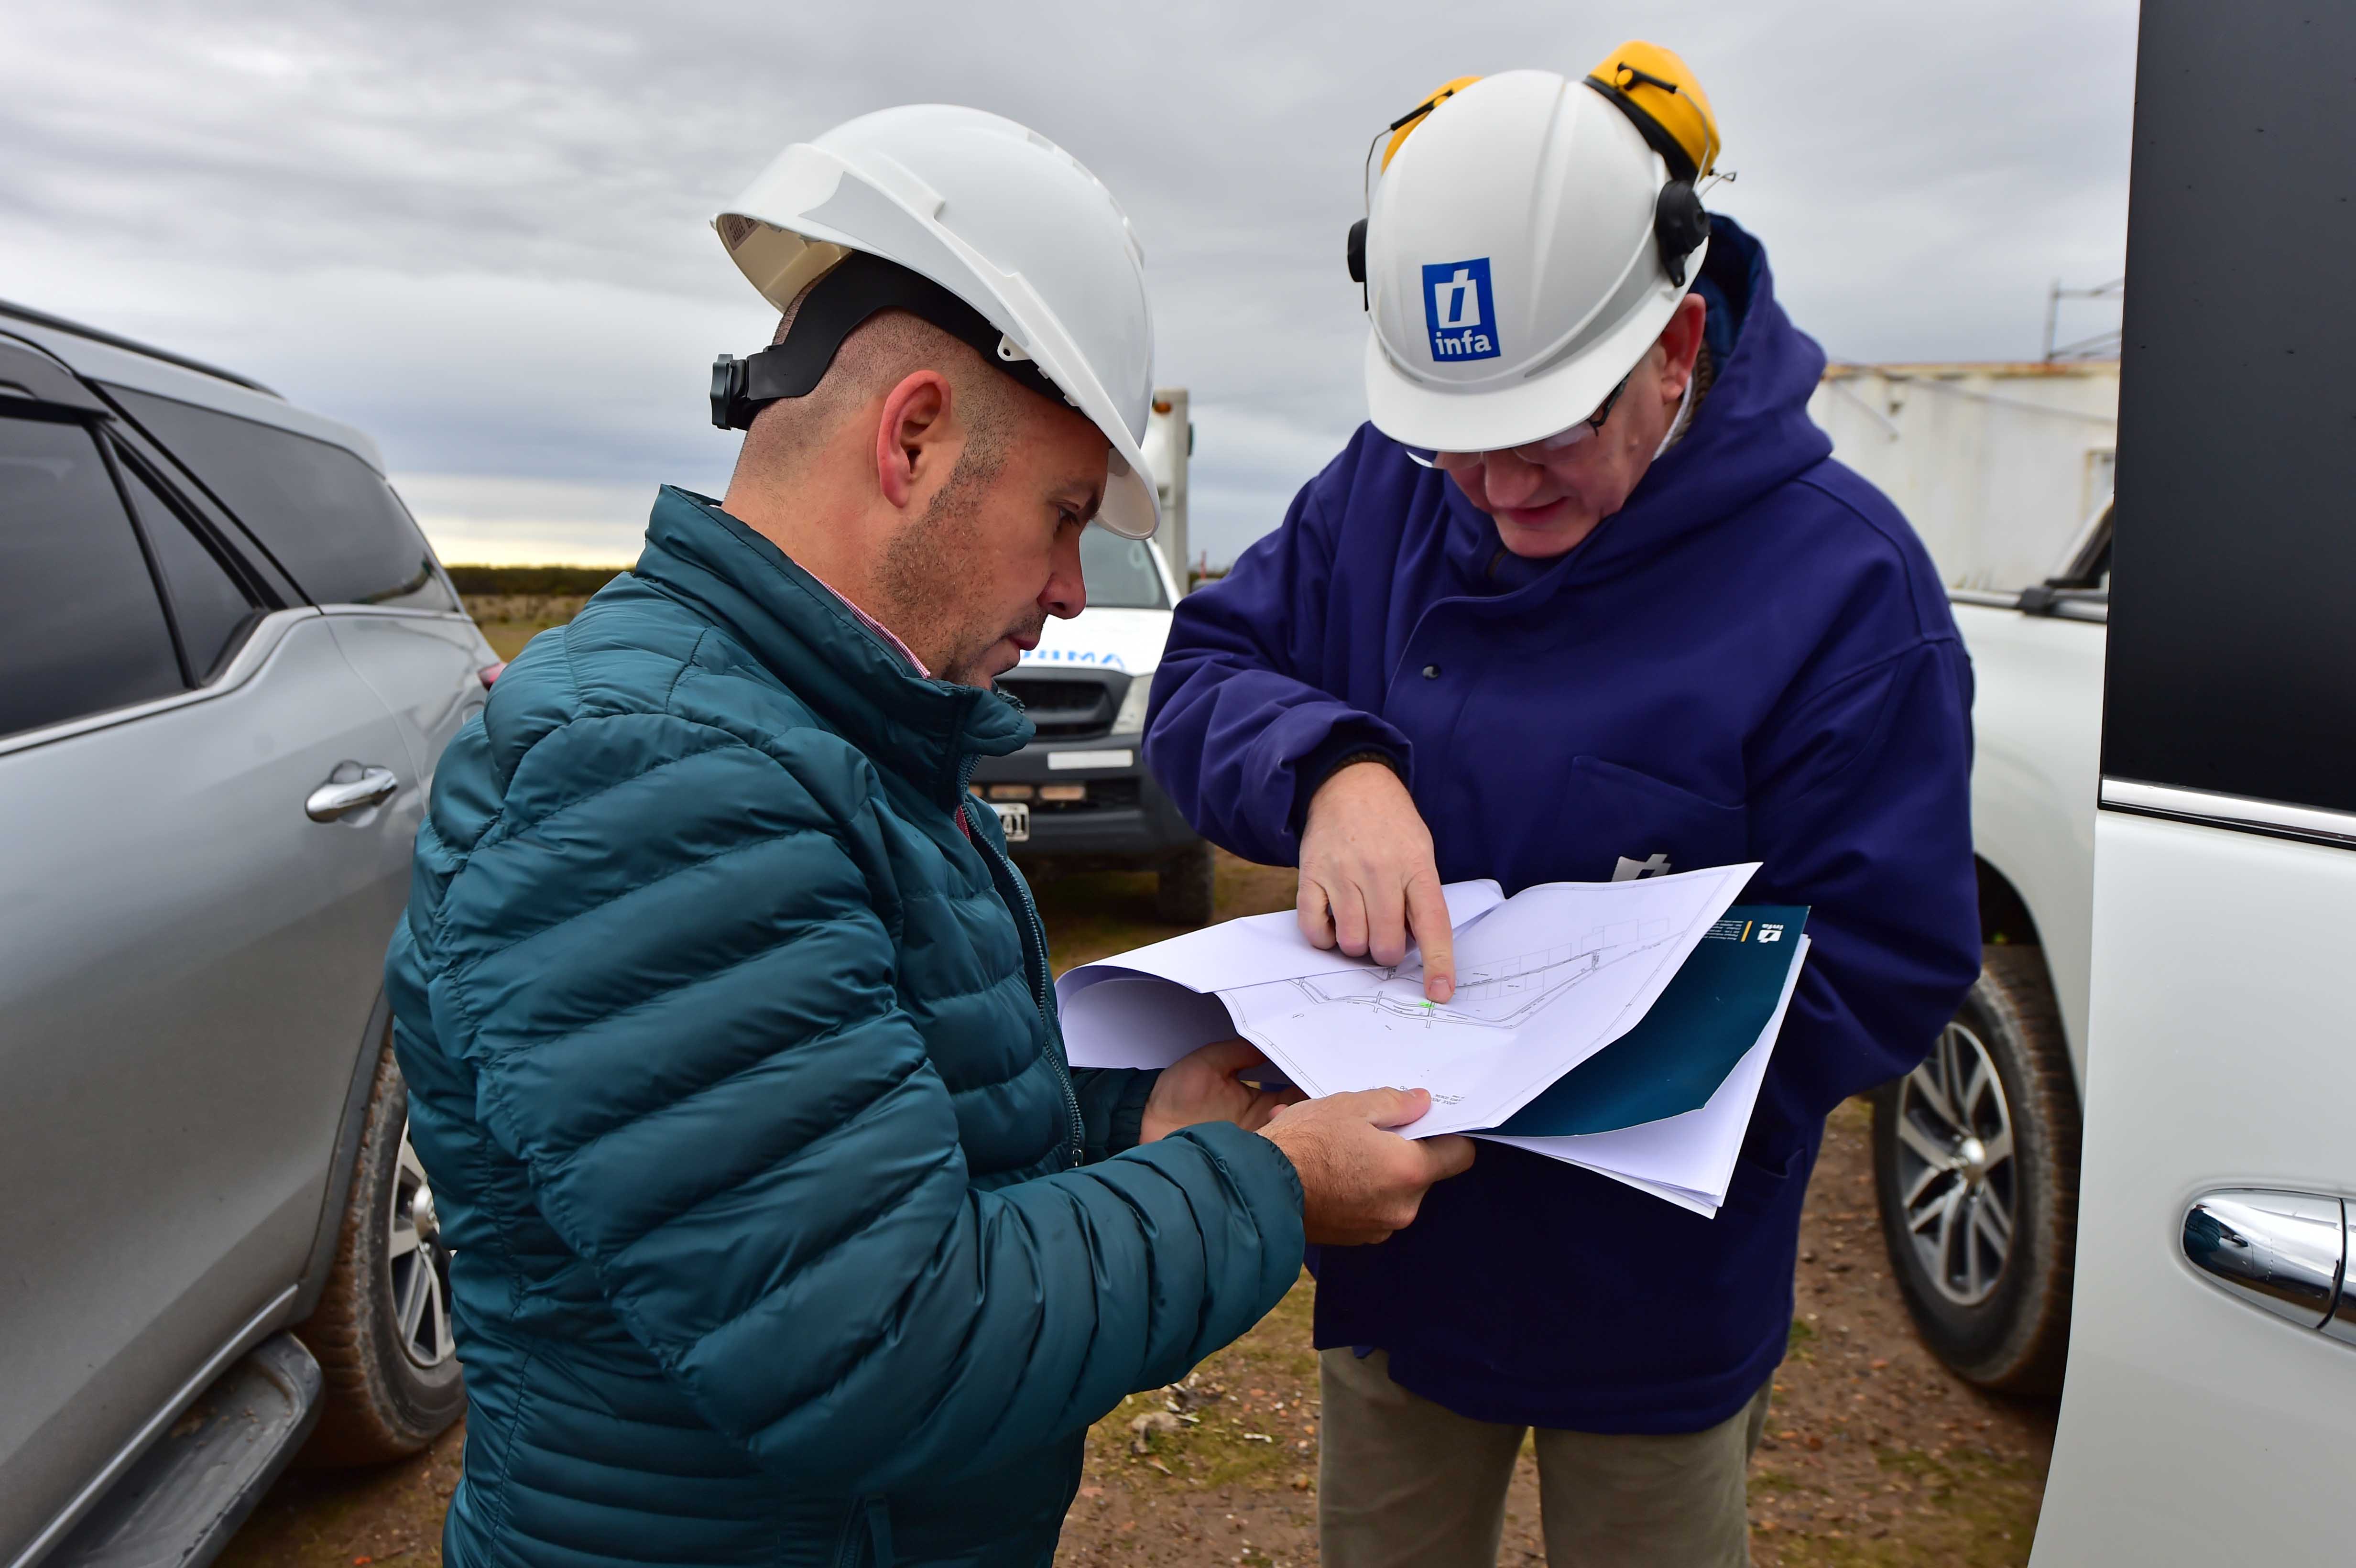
x=2209, y=1411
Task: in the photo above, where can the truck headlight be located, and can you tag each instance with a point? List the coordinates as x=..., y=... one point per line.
x=1130, y=719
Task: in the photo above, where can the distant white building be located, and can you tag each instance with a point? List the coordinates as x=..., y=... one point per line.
x=1997, y=465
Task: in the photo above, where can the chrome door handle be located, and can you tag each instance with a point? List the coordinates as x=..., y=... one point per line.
x=351, y=787
x=2286, y=1251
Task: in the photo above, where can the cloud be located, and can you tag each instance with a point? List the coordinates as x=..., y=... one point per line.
x=480, y=231
x=498, y=520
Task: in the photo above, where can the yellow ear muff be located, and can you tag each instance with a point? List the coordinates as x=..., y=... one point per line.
x=1404, y=126
x=1657, y=90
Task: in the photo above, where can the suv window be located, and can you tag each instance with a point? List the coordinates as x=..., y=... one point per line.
x=1119, y=572
x=208, y=605
x=327, y=517
x=81, y=627
x=2232, y=659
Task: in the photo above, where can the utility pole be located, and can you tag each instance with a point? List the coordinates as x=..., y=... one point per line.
x=1169, y=443
x=2102, y=344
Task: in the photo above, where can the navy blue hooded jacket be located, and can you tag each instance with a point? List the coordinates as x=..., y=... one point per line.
x=1751, y=660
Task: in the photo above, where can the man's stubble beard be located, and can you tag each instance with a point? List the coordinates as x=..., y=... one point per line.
x=917, y=584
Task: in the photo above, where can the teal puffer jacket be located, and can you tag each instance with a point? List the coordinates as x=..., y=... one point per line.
x=783, y=1233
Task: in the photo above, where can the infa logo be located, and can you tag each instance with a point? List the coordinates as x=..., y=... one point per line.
x=1457, y=308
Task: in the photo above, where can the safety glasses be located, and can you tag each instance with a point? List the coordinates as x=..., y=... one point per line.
x=1537, y=451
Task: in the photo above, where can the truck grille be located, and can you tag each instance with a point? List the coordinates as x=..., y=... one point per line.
x=1104, y=794
x=1068, y=707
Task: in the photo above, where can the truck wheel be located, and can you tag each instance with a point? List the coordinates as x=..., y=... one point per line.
x=1186, y=888
x=1976, y=1165
x=381, y=1332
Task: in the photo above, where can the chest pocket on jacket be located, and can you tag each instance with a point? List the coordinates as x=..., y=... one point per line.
x=1611, y=813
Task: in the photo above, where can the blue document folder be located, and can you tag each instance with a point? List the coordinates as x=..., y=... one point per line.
x=1675, y=1059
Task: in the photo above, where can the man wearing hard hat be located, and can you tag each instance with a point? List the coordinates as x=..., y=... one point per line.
x=782, y=1232
x=1588, y=599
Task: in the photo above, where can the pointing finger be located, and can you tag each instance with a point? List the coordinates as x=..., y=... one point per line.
x=1427, y=912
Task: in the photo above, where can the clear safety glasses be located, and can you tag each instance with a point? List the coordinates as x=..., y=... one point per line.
x=1537, y=451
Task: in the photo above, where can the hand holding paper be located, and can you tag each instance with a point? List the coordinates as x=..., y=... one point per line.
x=1359, y=1181
x=1201, y=1086
x=1553, y=1010
x=1544, y=981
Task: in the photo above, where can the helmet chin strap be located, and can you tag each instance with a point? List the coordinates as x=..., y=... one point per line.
x=1676, y=425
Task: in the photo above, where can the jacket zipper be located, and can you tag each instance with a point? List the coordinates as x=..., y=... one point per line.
x=1003, y=870
x=866, y=1533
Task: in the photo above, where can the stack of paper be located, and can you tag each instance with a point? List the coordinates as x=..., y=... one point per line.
x=1664, y=1107
x=1525, y=1052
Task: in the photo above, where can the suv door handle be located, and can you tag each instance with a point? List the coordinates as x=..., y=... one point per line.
x=2286, y=1251
x=351, y=787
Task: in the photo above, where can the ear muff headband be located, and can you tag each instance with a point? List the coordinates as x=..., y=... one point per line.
x=1404, y=126
x=1399, y=130
x=860, y=286
x=1679, y=223
x=1656, y=136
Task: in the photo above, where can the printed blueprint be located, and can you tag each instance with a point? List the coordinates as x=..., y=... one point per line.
x=1544, y=981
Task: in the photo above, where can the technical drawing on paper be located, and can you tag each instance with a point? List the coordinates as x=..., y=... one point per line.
x=1497, y=993
x=1544, y=980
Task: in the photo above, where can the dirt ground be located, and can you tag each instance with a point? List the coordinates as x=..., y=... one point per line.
x=1874, y=1453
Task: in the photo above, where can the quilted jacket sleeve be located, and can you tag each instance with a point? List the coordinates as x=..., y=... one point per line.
x=1113, y=1106
x=679, y=1001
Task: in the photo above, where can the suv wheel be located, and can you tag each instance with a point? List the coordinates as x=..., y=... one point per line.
x=1976, y=1165
x=1188, y=887
x=381, y=1332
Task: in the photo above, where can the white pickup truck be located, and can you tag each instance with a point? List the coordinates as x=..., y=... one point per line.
x=1976, y=1152
x=2192, y=740
x=1079, y=797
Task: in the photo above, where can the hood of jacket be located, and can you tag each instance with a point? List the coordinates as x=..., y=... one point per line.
x=1750, y=433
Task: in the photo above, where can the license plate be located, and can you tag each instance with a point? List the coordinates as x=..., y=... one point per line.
x=1014, y=817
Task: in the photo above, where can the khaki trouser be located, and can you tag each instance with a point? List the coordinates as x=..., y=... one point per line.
x=1404, y=1483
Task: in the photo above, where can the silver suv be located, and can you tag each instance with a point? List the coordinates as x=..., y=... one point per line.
x=228, y=664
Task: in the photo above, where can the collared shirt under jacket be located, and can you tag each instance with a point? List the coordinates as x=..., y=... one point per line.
x=1752, y=660
x=783, y=1233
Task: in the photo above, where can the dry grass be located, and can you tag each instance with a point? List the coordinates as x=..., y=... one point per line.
x=508, y=621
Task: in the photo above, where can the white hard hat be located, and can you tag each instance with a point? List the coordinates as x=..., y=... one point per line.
x=1002, y=217
x=1517, y=265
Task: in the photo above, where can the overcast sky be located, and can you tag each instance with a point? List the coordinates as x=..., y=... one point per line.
x=479, y=231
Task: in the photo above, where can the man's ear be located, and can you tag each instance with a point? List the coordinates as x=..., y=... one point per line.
x=913, y=449
x=1680, y=344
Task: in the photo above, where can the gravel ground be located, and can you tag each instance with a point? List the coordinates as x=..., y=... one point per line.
x=1874, y=1453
